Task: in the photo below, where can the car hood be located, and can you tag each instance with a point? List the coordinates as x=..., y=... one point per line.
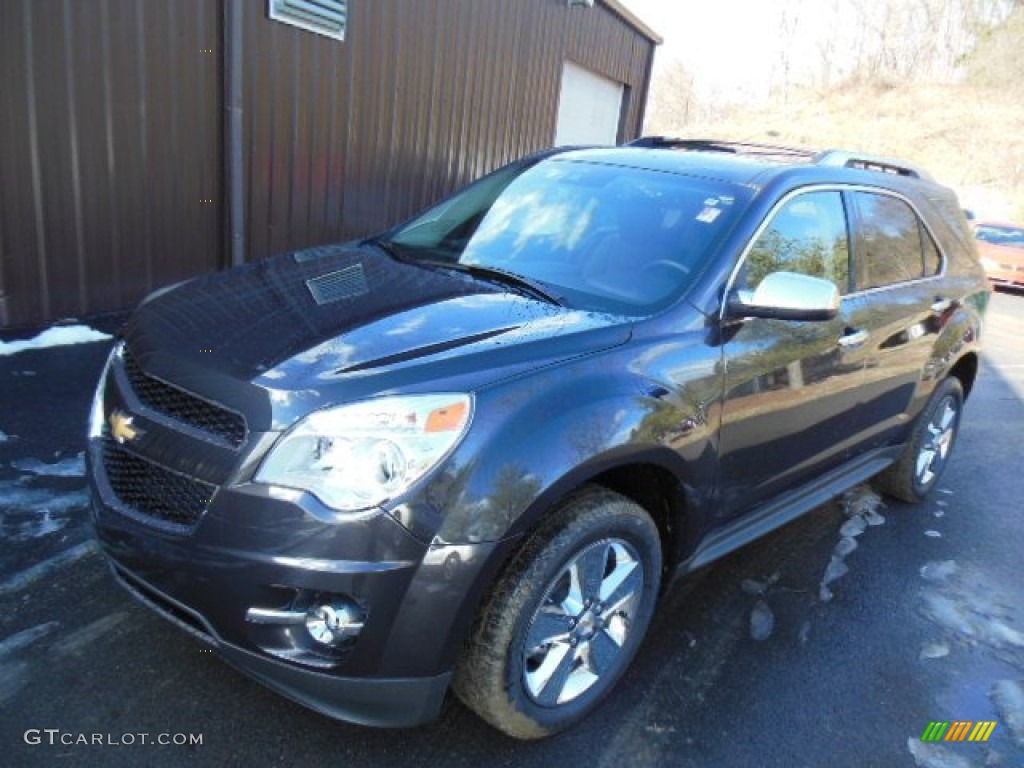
x=282, y=337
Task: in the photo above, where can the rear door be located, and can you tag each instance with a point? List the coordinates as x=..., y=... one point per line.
x=901, y=305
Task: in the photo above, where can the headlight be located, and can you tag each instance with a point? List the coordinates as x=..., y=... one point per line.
x=360, y=455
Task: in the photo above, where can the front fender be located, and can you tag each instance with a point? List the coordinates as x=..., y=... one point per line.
x=536, y=439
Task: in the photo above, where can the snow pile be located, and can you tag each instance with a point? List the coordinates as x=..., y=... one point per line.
x=54, y=337
x=861, y=505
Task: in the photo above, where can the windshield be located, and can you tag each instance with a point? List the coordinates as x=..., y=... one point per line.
x=599, y=237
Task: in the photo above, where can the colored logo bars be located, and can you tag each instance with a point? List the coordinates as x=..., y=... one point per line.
x=958, y=730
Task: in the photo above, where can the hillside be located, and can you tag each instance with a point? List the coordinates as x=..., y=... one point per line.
x=970, y=134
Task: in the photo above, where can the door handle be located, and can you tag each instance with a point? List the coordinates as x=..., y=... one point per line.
x=852, y=338
x=941, y=304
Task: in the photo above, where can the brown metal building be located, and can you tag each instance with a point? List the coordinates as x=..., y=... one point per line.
x=145, y=141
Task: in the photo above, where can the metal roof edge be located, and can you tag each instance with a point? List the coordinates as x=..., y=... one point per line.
x=633, y=20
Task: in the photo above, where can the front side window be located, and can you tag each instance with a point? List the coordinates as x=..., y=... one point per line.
x=598, y=237
x=890, y=242
x=807, y=235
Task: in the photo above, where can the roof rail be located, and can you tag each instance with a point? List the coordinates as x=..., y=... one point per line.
x=717, y=145
x=843, y=159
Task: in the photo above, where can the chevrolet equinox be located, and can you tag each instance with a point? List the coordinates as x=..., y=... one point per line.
x=468, y=453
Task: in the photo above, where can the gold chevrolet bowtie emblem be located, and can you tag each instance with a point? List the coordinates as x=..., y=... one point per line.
x=121, y=428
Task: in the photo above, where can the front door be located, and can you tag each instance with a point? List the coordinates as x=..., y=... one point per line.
x=791, y=388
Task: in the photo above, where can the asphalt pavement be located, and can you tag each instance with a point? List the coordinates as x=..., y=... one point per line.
x=799, y=650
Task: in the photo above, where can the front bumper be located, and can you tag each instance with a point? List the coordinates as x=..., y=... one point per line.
x=391, y=702
x=256, y=548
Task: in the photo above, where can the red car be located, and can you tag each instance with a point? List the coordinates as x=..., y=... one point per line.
x=1001, y=252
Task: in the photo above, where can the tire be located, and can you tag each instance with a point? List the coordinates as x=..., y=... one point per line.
x=918, y=471
x=565, y=619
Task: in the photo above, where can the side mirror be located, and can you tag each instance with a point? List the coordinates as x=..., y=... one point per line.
x=788, y=296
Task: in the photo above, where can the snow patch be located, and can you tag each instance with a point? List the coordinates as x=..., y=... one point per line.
x=29, y=576
x=933, y=756
x=931, y=534
x=13, y=677
x=26, y=637
x=78, y=641
x=72, y=467
x=30, y=513
x=762, y=621
x=805, y=632
x=54, y=337
x=845, y=546
x=966, y=604
x=853, y=528
x=939, y=571
x=5, y=438
x=935, y=650
x=1008, y=696
x=755, y=587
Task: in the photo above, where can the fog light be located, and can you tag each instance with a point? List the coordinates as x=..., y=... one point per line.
x=333, y=623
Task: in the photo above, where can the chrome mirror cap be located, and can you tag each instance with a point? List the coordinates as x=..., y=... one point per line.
x=788, y=296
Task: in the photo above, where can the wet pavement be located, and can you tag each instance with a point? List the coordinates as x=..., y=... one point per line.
x=834, y=641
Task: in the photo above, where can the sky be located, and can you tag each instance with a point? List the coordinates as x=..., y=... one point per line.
x=730, y=46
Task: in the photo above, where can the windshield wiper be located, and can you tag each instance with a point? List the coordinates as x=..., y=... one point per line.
x=508, y=279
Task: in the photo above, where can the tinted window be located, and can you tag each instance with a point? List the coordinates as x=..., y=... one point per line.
x=888, y=243
x=808, y=236
x=606, y=238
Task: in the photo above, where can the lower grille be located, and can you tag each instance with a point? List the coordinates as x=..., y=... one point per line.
x=153, y=492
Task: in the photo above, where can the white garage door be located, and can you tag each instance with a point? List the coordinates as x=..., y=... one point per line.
x=589, y=107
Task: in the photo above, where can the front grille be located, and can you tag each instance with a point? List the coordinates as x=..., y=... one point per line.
x=151, y=491
x=182, y=406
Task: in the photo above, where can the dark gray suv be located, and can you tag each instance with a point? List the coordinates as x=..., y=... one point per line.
x=467, y=453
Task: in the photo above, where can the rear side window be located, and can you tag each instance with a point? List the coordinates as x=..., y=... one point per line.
x=891, y=245
x=807, y=235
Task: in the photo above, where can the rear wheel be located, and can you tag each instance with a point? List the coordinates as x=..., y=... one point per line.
x=931, y=442
x=566, y=619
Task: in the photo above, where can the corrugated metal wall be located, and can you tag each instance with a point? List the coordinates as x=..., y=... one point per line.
x=109, y=144
x=111, y=139
x=344, y=139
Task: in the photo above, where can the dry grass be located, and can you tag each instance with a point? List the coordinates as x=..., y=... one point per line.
x=969, y=135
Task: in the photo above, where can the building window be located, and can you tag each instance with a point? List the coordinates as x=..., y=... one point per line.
x=325, y=17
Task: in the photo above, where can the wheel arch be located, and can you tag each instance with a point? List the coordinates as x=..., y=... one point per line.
x=966, y=370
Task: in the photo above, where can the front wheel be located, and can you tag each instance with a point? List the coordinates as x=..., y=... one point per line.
x=918, y=471
x=566, y=618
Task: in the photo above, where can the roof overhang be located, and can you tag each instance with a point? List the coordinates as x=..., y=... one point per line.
x=633, y=20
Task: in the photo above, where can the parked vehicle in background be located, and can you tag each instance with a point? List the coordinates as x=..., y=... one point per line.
x=1001, y=251
x=470, y=452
